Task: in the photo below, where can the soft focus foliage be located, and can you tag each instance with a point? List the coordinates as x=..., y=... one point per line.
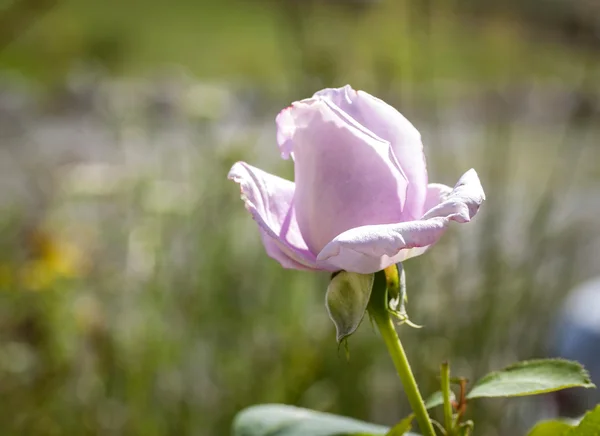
x=589, y=425
x=280, y=420
x=136, y=296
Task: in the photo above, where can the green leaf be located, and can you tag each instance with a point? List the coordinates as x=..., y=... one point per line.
x=549, y=428
x=532, y=377
x=466, y=428
x=402, y=427
x=346, y=300
x=437, y=399
x=283, y=420
x=589, y=425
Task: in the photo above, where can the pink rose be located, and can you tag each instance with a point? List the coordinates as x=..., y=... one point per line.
x=360, y=201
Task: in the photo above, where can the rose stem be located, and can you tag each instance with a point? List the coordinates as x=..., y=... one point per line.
x=379, y=312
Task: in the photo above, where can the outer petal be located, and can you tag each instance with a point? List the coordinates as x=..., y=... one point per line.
x=346, y=177
x=387, y=123
x=270, y=201
x=463, y=202
x=371, y=248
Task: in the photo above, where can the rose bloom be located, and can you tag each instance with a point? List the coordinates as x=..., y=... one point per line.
x=360, y=201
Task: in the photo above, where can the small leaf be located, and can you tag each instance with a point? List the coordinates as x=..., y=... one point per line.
x=402, y=427
x=437, y=399
x=283, y=420
x=589, y=425
x=549, y=428
x=346, y=300
x=531, y=378
x=466, y=428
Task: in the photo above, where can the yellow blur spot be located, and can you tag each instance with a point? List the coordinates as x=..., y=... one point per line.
x=53, y=260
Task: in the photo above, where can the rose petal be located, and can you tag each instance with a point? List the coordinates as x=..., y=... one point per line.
x=436, y=193
x=346, y=177
x=270, y=201
x=463, y=202
x=372, y=248
x=387, y=123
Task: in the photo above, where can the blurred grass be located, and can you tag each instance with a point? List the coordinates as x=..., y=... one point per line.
x=180, y=319
x=169, y=317
x=271, y=42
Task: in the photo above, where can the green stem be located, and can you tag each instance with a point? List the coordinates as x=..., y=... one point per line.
x=394, y=346
x=445, y=377
x=380, y=314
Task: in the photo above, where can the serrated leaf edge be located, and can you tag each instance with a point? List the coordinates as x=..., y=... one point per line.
x=587, y=384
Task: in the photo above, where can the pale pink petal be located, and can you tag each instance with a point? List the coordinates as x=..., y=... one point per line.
x=270, y=201
x=345, y=176
x=436, y=193
x=463, y=202
x=387, y=123
x=372, y=248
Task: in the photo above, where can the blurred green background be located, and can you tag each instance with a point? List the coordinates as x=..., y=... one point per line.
x=136, y=298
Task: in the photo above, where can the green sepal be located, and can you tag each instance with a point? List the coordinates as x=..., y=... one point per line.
x=346, y=300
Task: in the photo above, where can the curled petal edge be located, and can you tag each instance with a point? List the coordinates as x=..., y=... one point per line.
x=368, y=249
x=287, y=123
x=253, y=188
